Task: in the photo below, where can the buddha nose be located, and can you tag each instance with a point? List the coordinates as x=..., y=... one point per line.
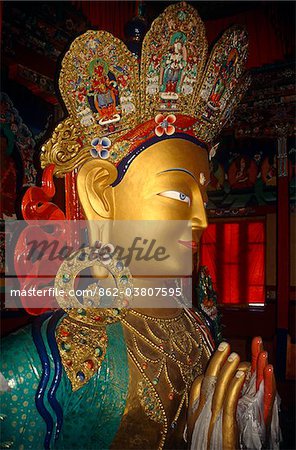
x=199, y=220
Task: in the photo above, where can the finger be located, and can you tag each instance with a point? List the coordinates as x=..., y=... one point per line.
x=193, y=399
x=269, y=393
x=262, y=362
x=216, y=362
x=257, y=347
x=245, y=366
x=214, y=367
x=195, y=390
x=218, y=359
x=229, y=425
x=225, y=376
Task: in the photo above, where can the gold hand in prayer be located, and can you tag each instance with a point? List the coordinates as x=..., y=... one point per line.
x=222, y=385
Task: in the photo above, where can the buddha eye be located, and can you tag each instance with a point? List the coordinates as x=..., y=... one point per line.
x=176, y=195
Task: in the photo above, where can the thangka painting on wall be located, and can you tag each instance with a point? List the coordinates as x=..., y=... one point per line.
x=17, y=150
x=243, y=173
x=17, y=169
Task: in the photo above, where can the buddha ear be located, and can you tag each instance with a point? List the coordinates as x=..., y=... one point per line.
x=94, y=188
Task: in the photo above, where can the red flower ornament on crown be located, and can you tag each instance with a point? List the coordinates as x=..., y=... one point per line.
x=165, y=125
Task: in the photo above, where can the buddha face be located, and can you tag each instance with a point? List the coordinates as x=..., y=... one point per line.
x=165, y=182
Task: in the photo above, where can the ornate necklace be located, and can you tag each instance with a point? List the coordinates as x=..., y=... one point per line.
x=169, y=349
x=160, y=348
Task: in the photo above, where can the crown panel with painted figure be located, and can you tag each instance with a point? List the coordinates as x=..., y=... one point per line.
x=222, y=83
x=99, y=85
x=173, y=58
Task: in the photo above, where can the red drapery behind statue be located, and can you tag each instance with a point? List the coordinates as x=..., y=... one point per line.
x=235, y=255
x=109, y=16
x=266, y=46
x=267, y=33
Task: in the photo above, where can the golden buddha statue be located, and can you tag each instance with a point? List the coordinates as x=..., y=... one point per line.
x=133, y=378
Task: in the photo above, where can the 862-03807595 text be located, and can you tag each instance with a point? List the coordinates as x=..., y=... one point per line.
x=109, y=292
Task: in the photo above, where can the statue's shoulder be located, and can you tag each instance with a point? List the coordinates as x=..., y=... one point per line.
x=22, y=348
x=23, y=356
x=21, y=336
x=87, y=346
x=77, y=367
x=56, y=339
x=17, y=347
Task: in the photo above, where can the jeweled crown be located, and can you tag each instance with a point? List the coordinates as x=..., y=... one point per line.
x=114, y=106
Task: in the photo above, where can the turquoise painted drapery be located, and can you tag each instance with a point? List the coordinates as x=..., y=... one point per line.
x=91, y=415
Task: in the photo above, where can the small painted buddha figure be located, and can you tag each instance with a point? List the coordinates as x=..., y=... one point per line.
x=103, y=89
x=132, y=378
x=173, y=65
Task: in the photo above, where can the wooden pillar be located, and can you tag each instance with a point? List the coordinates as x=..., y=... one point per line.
x=283, y=260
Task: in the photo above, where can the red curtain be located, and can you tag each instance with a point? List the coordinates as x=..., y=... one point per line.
x=235, y=255
x=267, y=34
x=265, y=44
x=108, y=15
